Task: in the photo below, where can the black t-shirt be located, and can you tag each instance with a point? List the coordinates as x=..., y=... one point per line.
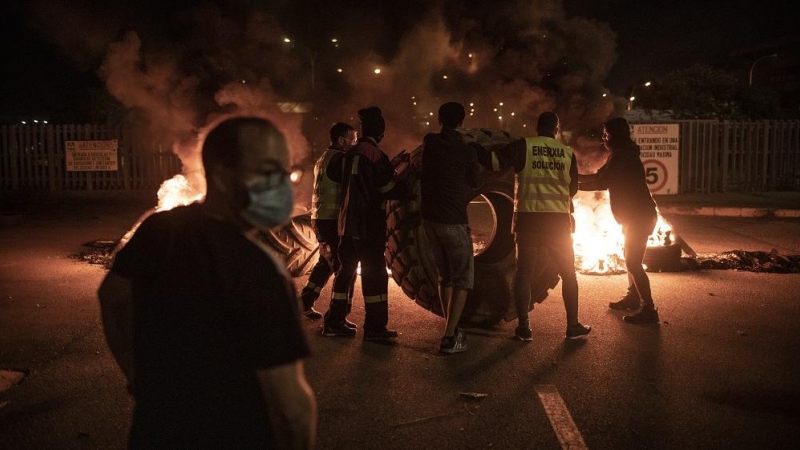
x=449, y=170
x=211, y=306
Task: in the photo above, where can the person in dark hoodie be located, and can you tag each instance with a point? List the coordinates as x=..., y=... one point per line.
x=449, y=171
x=634, y=208
x=367, y=178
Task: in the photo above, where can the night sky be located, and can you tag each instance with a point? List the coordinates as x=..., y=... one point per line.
x=57, y=53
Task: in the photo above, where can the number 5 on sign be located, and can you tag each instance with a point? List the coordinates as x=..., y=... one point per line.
x=656, y=175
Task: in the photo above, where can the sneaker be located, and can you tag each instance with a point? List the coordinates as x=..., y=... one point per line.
x=454, y=344
x=626, y=303
x=643, y=316
x=379, y=335
x=578, y=331
x=523, y=333
x=337, y=330
x=312, y=313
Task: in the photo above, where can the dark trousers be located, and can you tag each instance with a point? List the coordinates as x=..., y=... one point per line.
x=531, y=254
x=633, y=250
x=374, y=281
x=328, y=263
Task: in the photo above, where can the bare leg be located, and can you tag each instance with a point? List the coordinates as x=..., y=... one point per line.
x=456, y=307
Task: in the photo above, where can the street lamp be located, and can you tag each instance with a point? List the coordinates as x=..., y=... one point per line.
x=753, y=66
x=631, y=98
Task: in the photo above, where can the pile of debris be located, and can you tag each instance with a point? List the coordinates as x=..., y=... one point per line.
x=98, y=252
x=751, y=261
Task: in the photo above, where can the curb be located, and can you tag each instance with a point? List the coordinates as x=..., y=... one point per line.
x=718, y=211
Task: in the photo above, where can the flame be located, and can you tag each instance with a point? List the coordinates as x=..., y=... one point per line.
x=598, y=238
x=177, y=191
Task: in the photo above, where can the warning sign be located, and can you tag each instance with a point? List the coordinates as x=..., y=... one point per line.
x=84, y=156
x=660, y=144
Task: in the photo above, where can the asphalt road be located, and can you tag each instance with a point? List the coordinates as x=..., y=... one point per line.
x=720, y=371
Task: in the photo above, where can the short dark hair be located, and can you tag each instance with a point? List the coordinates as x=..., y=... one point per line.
x=547, y=123
x=452, y=114
x=618, y=128
x=340, y=129
x=225, y=143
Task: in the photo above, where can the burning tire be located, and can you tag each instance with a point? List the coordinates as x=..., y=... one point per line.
x=663, y=258
x=411, y=264
x=297, y=243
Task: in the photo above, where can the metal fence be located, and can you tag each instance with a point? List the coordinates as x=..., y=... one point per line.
x=715, y=156
x=726, y=156
x=33, y=160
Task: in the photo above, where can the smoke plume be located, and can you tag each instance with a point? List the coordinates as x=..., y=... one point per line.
x=177, y=67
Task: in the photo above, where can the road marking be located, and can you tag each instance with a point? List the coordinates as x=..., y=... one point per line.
x=568, y=435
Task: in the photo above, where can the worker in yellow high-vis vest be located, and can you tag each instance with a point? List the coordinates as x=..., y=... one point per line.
x=325, y=201
x=546, y=180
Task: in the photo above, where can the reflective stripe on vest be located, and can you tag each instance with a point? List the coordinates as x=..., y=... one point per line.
x=326, y=196
x=495, y=162
x=543, y=186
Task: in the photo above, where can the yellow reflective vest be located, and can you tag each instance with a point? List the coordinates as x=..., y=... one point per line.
x=543, y=186
x=326, y=196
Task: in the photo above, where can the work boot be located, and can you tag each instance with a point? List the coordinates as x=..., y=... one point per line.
x=646, y=315
x=337, y=330
x=379, y=335
x=312, y=314
x=628, y=302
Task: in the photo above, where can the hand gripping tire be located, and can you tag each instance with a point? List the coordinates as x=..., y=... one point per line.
x=411, y=264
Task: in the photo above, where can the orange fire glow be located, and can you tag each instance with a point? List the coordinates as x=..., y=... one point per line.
x=598, y=238
x=177, y=191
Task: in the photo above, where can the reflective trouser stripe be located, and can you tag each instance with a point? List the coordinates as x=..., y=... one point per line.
x=313, y=287
x=340, y=296
x=388, y=187
x=376, y=298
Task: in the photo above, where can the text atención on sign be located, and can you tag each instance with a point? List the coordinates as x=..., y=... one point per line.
x=85, y=156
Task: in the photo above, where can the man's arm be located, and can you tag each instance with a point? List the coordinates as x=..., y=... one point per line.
x=513, y=155
x=573, y=176
x=116, y=306
x=292, y=406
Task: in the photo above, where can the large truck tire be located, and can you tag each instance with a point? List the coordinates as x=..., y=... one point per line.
x=297, y=243
x=411, y=262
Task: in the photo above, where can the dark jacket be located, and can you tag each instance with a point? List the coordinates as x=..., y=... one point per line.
x=367, y=178
x=623, y=176
x=449, y=171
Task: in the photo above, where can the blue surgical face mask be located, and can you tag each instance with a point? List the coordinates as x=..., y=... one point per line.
x=270, y=204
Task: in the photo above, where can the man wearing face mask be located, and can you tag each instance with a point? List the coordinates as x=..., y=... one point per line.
x=202, y=317
x=324, y=216
x=367, y=181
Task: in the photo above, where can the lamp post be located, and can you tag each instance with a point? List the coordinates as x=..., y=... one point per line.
x=631, y=98
x=312, y=56
x=753, y=66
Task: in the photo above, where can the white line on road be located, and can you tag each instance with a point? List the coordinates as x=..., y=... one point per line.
x=568, y=435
